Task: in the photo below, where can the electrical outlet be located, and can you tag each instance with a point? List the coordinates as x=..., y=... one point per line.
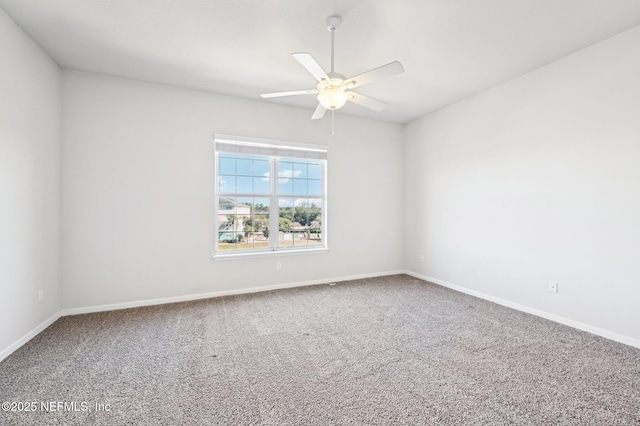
x=40, y=295
x=422, y=258
x=552, y=286
x=278, y=266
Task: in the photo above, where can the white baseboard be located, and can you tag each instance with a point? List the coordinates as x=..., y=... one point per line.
x=557, y=318
x=30, y=335
x=189, y=297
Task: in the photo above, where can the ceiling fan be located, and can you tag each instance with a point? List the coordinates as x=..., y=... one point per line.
x=333, y=89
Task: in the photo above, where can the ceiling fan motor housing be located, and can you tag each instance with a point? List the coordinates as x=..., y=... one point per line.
x=335, y=81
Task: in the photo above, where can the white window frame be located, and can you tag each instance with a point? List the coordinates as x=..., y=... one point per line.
x=272, y=149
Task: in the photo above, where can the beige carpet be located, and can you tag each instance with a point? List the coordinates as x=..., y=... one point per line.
x=392, y=350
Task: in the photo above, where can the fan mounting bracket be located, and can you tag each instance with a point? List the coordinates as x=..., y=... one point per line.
x=333, y=23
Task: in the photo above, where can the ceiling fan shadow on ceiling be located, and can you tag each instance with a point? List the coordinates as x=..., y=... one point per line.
x=334, y=90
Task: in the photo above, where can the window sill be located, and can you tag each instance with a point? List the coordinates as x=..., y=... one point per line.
x=266, y=254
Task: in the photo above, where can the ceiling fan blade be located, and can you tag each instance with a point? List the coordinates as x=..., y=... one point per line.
x=375, y=74
x=295, y=92
x=366, y=102
x=311, y=65
x=319, y=112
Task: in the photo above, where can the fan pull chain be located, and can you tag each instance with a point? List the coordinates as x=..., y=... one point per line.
x=333, y=122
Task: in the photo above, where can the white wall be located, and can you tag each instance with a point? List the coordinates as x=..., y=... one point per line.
x=29, y=185
x=532, y=181
x=138, y=192
x=536, y=180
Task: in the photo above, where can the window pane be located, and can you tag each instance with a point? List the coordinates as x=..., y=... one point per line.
x=261, y=206
x=300, y=212
x=234, y=218
x=244, y=185
x=300, y=222
x=285, y=171
x=315, y=203
x=259, y=230
x=229, y=240
x=300, y=170
x=300, y=186
x=226, y=211
x=314, y=217
x=285, y=222
x=226, y=166
x=260, y=185
x=285, y=186
x=227, y=183
x=315, y=187
x=245, y=167
x=243, y=206
x=225, y=242
x=315, y=171
x=228, y=223
x=261, y=168
x=243, y=223
x=261, y=243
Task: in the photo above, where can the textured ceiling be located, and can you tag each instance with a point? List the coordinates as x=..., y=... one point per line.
x=451, y=49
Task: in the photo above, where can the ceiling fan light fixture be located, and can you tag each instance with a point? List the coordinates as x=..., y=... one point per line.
x=333, y=98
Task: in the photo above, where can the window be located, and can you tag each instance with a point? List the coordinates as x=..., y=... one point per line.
x=270, y=196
